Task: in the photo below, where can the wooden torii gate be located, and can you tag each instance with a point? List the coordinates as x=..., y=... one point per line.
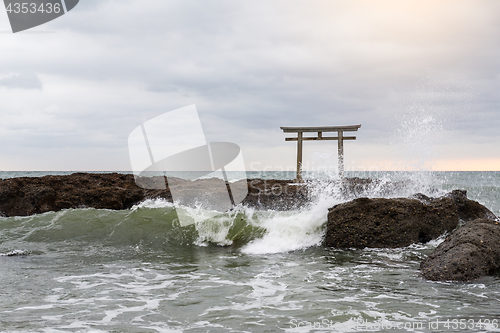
x=320, y=130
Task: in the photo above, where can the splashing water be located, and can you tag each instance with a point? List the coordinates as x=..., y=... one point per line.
x=289, y=231
x=414, y=144
x=416, y=138
x=139, y=270
x=261, y=232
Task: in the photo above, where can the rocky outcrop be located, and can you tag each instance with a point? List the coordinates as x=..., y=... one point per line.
x=352, y=188
x=25, y=196
x=286, y=195
x=276, y=194
x=469, y=210
x=398, y=222
x=472, y=251
x=33, y=195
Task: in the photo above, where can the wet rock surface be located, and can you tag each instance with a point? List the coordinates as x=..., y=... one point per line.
x=34, y=195
x=276, y=194
x=352, y=188
x=399, y=222
x=468, y=253
x=469, y=210
x=472, y=251
x=286, y=195
x=25, y=196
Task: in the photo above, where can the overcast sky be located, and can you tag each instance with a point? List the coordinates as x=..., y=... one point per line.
x=422, y=77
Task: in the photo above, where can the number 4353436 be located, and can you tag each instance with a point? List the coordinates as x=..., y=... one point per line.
x=33, y=8
x=470, y=324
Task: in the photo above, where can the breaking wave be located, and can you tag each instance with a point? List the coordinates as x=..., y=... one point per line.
x=153, y=224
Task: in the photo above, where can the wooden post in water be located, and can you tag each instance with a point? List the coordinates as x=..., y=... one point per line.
x=340, y=138
x=299, y=155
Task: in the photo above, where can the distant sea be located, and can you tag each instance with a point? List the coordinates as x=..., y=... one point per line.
x=138, y=270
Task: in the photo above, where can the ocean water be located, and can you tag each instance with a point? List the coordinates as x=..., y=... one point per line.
x=138, y=270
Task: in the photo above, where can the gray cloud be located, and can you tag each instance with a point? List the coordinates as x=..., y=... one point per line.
x=252, y=66
x=21, y=81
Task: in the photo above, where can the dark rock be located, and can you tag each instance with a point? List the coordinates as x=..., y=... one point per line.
x=389, y=223
x=469, y=253
x=399, y=222
x=351, y=188
x=33, y=195
x=276, y=194
x=469, y=209
x=286, y=195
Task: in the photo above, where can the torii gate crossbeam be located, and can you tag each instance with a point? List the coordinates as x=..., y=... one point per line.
x=320, y=130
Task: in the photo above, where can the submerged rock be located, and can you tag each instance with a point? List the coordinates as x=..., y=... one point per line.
x=398, y=222
x=472, y=251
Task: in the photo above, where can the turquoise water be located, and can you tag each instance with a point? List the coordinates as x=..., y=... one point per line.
x=138, y=270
